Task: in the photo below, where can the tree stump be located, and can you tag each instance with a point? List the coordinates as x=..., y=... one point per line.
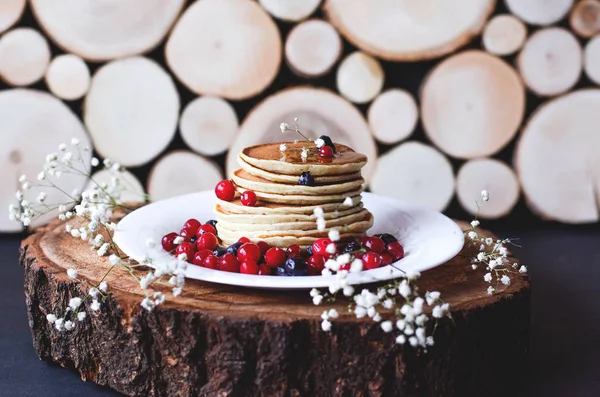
x=218, y=340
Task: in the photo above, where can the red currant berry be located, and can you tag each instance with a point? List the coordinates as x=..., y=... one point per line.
x=249, y=267
x=200, y=256
x=207, y=241
x=316, y=264
x=186, y=248
x=264, y=246
x=248, y=198
x=275, y=257
x=211, y=262
x=396, y=250
x=363, y=240
x=243, y=240
x=387, y=259
x=326, y=152
x=293, y=251
x=229, y=263
x=192, y=224
x=168, y=242
x=206, y=228
x=186, y=234
x=249, y=252
x=374, y=244
x=371, y=260
x=264, y=270
x=225, y=190
x=319, y=247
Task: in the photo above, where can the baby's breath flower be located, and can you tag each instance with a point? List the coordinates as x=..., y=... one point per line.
x=51, y=318
x=317, y=299
x=401, y=339
x=331, y=248
x=505, y=280
x=489, y=241
x=348, y=290
x=326, y=325
x=103, y=286
x=148, y=304
x=74, y=303
x=304, y=154
x=321, y=224
x=474, y=223
x=348, y=202
x=72, y=273
x=356, y=266
x=333, y=313
x=386, y=326
x=284, y=127
x=404, y=289
x=282, y=147
x=334, y=235
x=318, y=211
x=487, y=277
x=319, y=143
x=114, y=259
x=491, y=290
x=178, y=240
x=59, y=324
x=81, y=316
x=485, y=196
x=94, y=162
x=472, y=235
x=74, y=141
x=523, y=269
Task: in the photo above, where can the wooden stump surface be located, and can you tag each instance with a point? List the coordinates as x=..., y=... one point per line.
x=225, y=340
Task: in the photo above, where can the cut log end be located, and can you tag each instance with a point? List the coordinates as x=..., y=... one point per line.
x=24, y=56
x=222, y=340
x=388, y=29
x=585, y=18
x=453, y=92
x=209, y=125
x=504, y=35
x=182, y=172
x=68, y=77
x=231, y=49
x=133, y=95
x=551, y=61
x=290, y=10
x=319, y=111
x=592, y=59
x=430, y=181
x=35, y=117
x=133, y=188
x=80, y=26
x=10, y=12
x=568, y=189
x=495, y=177
x=393, y=116
x=359, y=77
x=540, y=12
x=312, y=48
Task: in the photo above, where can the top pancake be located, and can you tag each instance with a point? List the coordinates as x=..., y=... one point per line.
x=268, y=157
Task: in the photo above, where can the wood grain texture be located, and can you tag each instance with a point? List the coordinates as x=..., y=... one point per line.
x=220, y=340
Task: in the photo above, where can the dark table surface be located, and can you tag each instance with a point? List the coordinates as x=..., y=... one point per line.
x=564, y=263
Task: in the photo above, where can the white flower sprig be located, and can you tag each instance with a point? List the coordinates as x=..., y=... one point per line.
x=492, y=255
x=90, y=215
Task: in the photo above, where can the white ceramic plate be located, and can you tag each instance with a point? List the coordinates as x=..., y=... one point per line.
x=429, y=239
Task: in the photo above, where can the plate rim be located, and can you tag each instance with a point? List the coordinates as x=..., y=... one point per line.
x=295, y=283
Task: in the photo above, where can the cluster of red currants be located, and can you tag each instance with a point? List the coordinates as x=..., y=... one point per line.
x=200, y=244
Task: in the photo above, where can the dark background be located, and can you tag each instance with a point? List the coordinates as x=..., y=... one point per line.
x=564, y=262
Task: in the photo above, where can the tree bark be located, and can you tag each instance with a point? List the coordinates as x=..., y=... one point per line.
x=218, y=341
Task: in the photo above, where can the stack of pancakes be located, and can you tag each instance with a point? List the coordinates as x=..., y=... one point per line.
x=284, y=213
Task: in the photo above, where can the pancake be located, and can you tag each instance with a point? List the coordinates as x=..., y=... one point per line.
x=301, y=199
x=265, y=208
x=252, y=182
x=232, y=217
x=353, y=228
x=268, y=157
x=293, y=179
x=293, y=225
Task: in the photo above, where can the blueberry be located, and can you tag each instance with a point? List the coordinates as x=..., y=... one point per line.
x=296, y=267
x=306, y=179
x=328, y=142
x=219, y=251
x=352, y=246
x=309, y=250
x=387, y=238
x=233, y=248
